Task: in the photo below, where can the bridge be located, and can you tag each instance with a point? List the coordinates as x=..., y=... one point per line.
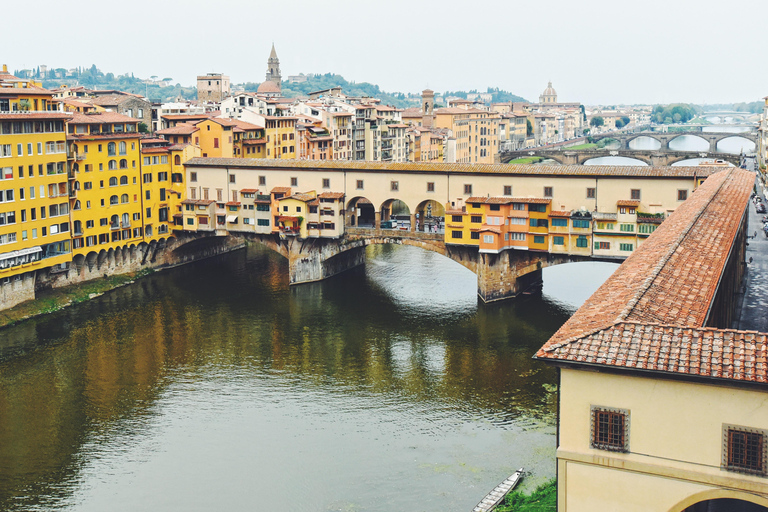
x=725, y=113
x=370, y=193
x=665, y=138
x=650, y=157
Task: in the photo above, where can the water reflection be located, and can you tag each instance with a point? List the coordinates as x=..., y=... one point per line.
x=216, y=386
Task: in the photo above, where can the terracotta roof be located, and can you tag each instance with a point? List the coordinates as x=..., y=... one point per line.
x=186, y=117
x=248, y=190
x=246, y=126
x=331, y=195
x=179, y=129
x=493, y=229
x=32, y=91
x=268, y=87
x=299, y=197
x=499, y=169
x=233, y=203
x=314, y=202
x=101, y=117
x=652, y=313
x=254, y=142
x=627, y=202
x=455, y=212
x=559, y=213
x=20, y=116
x=284, y=190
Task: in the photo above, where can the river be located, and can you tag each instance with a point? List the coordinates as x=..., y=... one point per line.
x=215, y=386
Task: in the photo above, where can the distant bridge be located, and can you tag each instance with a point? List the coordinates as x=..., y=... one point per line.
x=665, y=138
x=726, y=113
x=650, y=157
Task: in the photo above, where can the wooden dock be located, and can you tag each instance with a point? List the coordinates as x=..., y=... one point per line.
x=496, y=496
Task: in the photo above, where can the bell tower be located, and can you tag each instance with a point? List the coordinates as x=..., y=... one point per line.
x=273, y=67
x=428, y=108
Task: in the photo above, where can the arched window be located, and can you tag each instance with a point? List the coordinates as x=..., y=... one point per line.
x=112, y=181
x=177, y=160
x=113, y=200
x=77, y=185
x=126, y=218
x=123, y=162
x=77, y=205
x=75, y=167
x=112, y=165
x=124, y=198
x=123, y=180
x=122, y=147
x=114, y=221
x=111, y=149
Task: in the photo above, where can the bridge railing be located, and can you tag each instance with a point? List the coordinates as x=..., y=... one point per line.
x=393, y=233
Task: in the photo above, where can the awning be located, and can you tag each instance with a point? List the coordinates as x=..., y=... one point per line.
x=231, y=218
x=20, y=252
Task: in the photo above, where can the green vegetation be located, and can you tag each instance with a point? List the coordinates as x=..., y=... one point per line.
x=674, y=113
x=754, y=107
x=94, y=78
x=596, y=121
x=528, y=128
x=527, y=160
x=499, y=96
x=48, y=301
x=543, y=499
x=604, y=142
x=622, y=122
x=699, y=120
x=582, y=146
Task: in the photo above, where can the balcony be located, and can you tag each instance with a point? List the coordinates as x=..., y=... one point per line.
x=114, y=226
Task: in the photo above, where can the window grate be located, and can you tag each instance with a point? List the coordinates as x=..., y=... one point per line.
x=610, y=429
x=744, y=449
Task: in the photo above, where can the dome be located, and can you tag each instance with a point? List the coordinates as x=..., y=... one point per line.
x=268, y=87
x=549, y=91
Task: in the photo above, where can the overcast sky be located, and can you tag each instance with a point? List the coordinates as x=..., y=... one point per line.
x=593, y=51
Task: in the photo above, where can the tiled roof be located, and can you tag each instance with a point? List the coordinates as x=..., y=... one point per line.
x=331, y=195
x=300, y=197
x=498, y=169
x=232, y=203
x=652, y=313
x=559, y=213
x=179, y=129
x=278, y=190
x=21, y=116
x=248, y=190
x=627, y=202
x=101, y=117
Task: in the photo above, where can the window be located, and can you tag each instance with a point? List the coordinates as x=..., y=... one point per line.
x=519, y=237
x=610, y=429
x=582, y=241
x=476, y=219
x=580, y=223
x=294, y=182
x=487, y=239
x=456, y=234
x=262, y=180
x=635, y=194
x=192, y=176
x=232, y=178
x=591, y=192
x=547, y=191
x=745, y=449
x=626, y=247
x=507, y=190
x=559, y=223
x=113, y=181
x=467, y=188
x=646, y=228
x=628, y=228
x=541, y=208
x=474, y=235
x=430, y=186
x=359, y=185
x=539, y=223
x=682, y=195
x=538, y=239
x=326, y=183
x=394, y=186
x=602, y=245
x=558, y=240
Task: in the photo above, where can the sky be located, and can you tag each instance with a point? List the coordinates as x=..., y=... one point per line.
x=594, y=51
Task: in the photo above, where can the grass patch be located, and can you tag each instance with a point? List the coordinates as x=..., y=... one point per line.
x=48, y=301
x=527, y=160
x=543, y=499
x=581, y=146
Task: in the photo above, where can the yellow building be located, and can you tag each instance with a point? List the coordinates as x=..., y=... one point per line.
x=281, y=136
x=216, y=137
x=476, y=132
x=106, y=198
x=249, y=140
x=34, y=193
x=661, y=403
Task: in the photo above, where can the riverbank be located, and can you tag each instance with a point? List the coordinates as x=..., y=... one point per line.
x=543, y=499
x=56, y=299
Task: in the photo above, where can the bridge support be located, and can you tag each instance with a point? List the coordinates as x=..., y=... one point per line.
x=505, y=275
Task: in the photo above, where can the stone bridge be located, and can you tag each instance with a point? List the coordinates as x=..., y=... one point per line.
x=665, y=138
x=653, y=158
x=499, y=276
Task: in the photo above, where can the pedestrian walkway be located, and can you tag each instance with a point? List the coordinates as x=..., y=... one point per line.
x=754, y=307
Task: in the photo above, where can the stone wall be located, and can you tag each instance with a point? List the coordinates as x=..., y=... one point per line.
x=14, y=291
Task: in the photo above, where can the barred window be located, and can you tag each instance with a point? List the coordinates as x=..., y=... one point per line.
x=610, y=429
x=744, y=449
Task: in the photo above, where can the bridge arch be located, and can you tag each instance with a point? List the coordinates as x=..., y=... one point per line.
x=430, y=216
x=737, y=136
x=705, y=144
x=360, y=212
x=729, y=499
x=394, y=209
x=628, y=141
x=641, y=159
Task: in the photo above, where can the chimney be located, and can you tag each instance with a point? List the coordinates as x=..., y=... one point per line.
x=5, y=68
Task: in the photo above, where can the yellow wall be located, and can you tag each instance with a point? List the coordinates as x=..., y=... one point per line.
x=211, y=135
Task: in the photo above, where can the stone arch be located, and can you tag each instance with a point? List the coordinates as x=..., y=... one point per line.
x=427, y=245
x=431, y=216
x=627, y=140
x=111, y=257
x=396, y=209
x=736, y=136
x=101, y=258
x=643, y=158
x=696, y=135
x=719, y=494
x=78, y=260
x=360, y=212
x=91, y=260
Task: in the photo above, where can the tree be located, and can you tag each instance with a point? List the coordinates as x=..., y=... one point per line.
x=619, y=123
x=625, y=120
x=143, y=128
x=596, y=121
x=528, y=128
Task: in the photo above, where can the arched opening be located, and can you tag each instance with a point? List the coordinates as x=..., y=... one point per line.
x=735, y=145
x=123, y=180
x=645, y=143
x=725, y=505
x=113, y=200
x=614, y=160
x=430, y=217
x=177, y=160
x=111, y=149
x=124, y=198
x=688, y=143
x=113, y=181
x=395, y=214
x=123, y=163
x=112, y=165
x=360, y=213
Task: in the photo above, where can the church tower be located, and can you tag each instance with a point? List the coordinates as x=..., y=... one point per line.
x=428, y=106
x=273, y=68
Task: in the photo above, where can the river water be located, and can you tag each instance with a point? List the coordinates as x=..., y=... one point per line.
x=215, y=386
